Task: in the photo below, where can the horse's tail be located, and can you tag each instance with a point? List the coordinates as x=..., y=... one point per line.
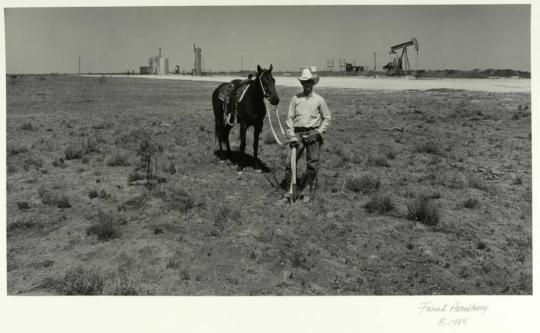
x=217, y=106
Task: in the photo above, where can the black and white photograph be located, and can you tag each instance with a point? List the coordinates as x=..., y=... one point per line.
x=269, y=151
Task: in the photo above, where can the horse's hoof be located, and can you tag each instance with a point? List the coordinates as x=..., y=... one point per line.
x=239, y=173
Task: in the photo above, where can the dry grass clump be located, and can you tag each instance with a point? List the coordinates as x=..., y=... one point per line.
x=479, y=184
x=378, y=161
x=28, y=127
x=124, y=284
x=105, y=228
x=429, y=147
x=79, y=148
x=171, y=168
x=226, y=213
x=424, y=211
x=14, y=149
x=176, y=197
x=53, y=198
x=135, y=176
x=22, y=205
x=345, y=154
x=380, y=204
x=362, y=184
x=118, y=159
x=81, y=281
x=32, y=162
x=59, y=163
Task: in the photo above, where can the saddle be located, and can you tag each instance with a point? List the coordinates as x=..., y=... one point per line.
x=231, y=95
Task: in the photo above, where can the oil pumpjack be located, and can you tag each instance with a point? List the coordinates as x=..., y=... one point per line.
x=400, y=63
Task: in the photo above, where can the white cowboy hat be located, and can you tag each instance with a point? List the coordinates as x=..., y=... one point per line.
x=309, y=74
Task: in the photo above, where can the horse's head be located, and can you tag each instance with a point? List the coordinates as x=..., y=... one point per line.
x=268, y=84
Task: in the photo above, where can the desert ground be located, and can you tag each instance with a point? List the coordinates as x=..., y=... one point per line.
x=421, y=192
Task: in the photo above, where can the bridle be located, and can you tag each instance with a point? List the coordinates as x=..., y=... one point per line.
x=265, y=95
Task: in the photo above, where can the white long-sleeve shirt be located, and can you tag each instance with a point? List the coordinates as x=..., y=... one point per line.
x=307, y=111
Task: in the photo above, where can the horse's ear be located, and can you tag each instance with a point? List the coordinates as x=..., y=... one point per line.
x=259, y=69
x=270, y=68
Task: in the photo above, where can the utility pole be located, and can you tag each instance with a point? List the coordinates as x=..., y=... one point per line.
x=241, y=64
x=375, y=64
x=79, y=64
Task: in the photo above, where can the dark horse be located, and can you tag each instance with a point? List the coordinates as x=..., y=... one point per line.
x=250, y=111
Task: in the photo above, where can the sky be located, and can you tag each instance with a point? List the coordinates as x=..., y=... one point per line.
x=49, y=40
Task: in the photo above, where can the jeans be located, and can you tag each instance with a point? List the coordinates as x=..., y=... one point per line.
x=313, y=152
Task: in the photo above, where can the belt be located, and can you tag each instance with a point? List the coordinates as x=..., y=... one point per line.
x=304, y=129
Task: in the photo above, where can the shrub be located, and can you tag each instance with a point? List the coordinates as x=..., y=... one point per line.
x=362, y=184
x=80, y=281
x=171, y=168
x=11, y=168
x=53, y=198
x=103, y=194
x=22, y=205
x=379, y=204
x=93, y=194
x=148, y=152
x=429, y=147
x=124, y=284
x=106, y=228
x=79, y=148
x=16, y=149
x=27, y=127
x=344, y=153
x=424, y=211
x=470, y=203
x=59, y=163
x=135, y=176
x=178, y=199
x=32, y=162
x=225, y=213
x=118, y=160
x=63, y=202
x=378, y=161
x=477, y=183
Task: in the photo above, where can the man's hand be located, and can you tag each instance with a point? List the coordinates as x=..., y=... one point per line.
x=313, y=138
x=294, y=144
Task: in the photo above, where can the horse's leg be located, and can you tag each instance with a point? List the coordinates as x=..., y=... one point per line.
x=256, y=133
x=219, y=135
x=226, y=131
x=243, y=129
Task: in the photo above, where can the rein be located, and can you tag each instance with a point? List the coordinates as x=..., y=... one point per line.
x=262, y=86
x=272, y=126
x=265, y=98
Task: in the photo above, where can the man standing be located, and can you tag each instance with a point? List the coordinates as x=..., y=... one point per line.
x=308, y=118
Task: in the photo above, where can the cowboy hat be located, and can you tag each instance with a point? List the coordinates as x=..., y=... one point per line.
x=309, y=74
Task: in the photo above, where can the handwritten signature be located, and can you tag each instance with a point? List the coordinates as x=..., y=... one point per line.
x=453, y=314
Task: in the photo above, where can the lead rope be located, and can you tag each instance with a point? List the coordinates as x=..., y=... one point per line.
x=279, y=122
x=272, y=126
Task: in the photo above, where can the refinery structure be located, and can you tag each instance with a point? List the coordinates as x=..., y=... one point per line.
x=156, y=65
